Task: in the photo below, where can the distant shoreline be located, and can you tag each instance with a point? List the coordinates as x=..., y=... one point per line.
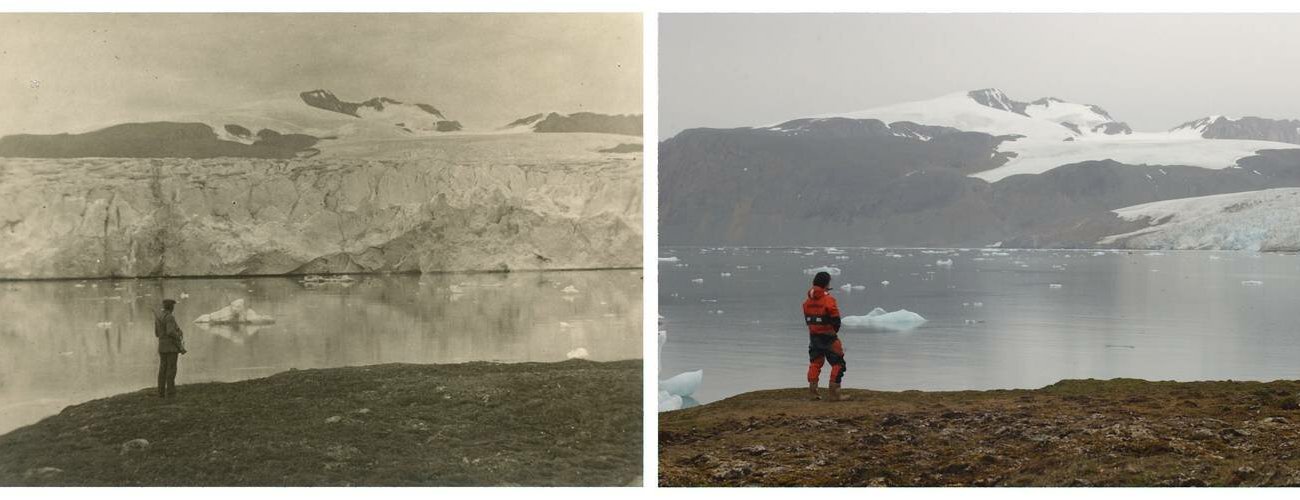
x=299, y=275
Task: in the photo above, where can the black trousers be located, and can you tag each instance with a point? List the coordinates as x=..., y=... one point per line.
x=167, y=373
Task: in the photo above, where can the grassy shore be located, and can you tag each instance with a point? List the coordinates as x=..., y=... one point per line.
x=564, y=424
x=1121, y=432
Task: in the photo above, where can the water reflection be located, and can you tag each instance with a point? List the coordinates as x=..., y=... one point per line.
x=64, y=342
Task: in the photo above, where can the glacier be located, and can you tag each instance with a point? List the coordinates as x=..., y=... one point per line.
x=1263, y=220
x=448, y=203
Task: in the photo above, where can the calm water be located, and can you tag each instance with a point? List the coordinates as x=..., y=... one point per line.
x=64, y=342
x=1151, y=315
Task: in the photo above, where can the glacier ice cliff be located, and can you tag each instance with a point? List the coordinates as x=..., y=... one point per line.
x=462, y=203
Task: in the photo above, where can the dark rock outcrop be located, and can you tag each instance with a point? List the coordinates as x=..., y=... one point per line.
x=157, y=140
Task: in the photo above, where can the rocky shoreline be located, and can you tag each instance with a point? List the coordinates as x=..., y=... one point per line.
x=1121, y=432
x=570, y=423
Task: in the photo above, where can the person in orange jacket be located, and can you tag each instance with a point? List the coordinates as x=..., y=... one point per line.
x=822, y=316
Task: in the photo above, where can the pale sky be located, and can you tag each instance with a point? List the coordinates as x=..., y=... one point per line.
x=68, y=72
x=1154, y=71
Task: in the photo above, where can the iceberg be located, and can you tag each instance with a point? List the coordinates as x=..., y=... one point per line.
x=668, y=259
x=943, y=263
x=235, y=314
x=834, y=271
x=579, y=353
x=879, y=319
x=669, y=402
x=682, y=384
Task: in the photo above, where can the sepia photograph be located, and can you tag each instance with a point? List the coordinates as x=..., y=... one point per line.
x=321, y=249
x=978, y=250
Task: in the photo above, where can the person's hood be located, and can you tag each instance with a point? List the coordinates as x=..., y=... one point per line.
x=817, y=292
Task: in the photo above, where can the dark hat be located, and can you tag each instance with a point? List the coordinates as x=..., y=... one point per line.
x=168, y=303
x=822, y=279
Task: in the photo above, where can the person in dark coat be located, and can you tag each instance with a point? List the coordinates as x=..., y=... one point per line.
x=171, y=344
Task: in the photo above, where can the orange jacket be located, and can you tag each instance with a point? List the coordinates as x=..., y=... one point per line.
x=820, y=312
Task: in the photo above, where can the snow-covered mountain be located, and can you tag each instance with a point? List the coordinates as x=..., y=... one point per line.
x=553, y=122
x=964, y=169
x=1046, y=133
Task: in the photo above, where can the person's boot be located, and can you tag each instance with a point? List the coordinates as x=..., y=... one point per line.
x=835, y=393
x=812, y=391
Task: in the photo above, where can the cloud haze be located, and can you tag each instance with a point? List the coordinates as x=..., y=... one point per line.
x=68, y=72
x=1154, y=71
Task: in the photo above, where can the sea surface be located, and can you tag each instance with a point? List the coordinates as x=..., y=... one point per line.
x=995, y=318
x=69, y=341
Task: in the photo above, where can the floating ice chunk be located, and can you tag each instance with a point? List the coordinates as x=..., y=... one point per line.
x=1214, y=257
x=668, y=259
x=669, y=402
x=1054, y=285
x=977, y=304
x=1252, y=283
x=570, y=289
x=80, y=285
x=896, y=256
x=1098, y=254
x=833, y=271
x=884, y=283
x=899, y=320
x=726, y=275
x=104, y=325
x=185, y=295
x=682, y=384
x=841, y=257
x=235, y=314
x=943, y=262
x=579, y=353
x=1153, y=254
x=697, y=280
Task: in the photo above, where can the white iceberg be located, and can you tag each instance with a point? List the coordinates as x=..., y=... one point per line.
x=669, y=402
x=900, y=320
x=697, y=280
x=235, y=314
x=668, y=259
x=579, y=353
x=1056, y=285
x=1252, y=283
x=943, y=263
x=682, y=384
x=884, y=283
x=570, y=289
x=833, y=271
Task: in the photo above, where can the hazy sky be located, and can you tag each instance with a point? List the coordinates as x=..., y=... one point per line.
x=1153, y=71
x=68, y=72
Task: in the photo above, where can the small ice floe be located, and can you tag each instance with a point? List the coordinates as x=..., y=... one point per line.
x=1098, y=254
x=884, y=283
x=895, y=256
x=977, y=304
x=669, y=401
x=726, y=275
x=104, y=325
x=565, y=324
x=708, y=300
x=579, y=353
x=833, y=271
x=850, y=287
x=697, y=280
x=184, y=295
x=1054, y=286
x=1252, y=283
x=1153, y=254
x=570, y=289
x=668, y=259
x=80, y=285
x=943, y=262
x=900, y=320
x=719, y=311
x=316, y=280
x=1214, y=257
x=841, y=257
x=235, y=314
